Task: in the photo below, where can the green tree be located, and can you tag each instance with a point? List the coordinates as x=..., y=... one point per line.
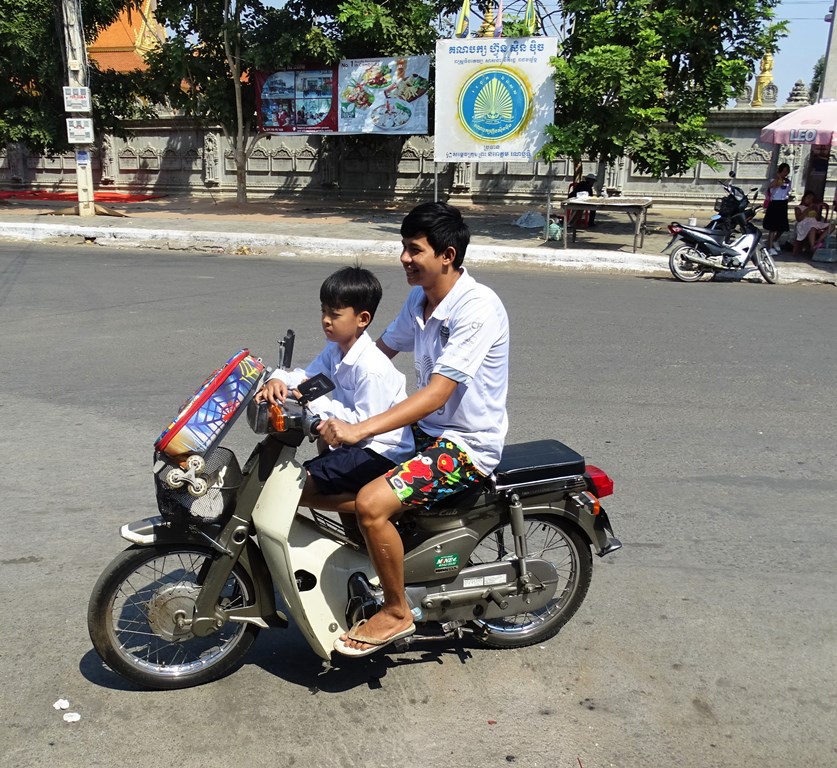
x=34, y=72
x=205, y=68
x=640, y=78
x=816, y=80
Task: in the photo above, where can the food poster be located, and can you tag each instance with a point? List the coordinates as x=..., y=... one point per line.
x=384, y=95
x=494, y=98
x=300, y=101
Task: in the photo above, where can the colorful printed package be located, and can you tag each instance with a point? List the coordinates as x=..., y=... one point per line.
x=203, y=418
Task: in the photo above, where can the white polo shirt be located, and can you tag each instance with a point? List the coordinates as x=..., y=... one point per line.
x=366, y=383
x=466, y=339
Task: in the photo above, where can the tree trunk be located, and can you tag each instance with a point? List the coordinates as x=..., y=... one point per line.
x=240, y=171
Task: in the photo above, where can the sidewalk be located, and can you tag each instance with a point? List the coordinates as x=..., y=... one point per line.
x=281, y=229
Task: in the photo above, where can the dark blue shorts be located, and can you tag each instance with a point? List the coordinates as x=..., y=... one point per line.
x=346, y=469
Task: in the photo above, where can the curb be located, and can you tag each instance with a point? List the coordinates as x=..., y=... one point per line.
x=290, y=246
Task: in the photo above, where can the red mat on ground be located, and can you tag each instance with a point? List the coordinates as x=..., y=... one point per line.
x=99, y=197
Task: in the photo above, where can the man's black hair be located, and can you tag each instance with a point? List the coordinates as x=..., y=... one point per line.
x=353, y=287
x=442, y=225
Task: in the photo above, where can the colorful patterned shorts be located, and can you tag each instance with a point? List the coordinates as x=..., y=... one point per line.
x=440, y=469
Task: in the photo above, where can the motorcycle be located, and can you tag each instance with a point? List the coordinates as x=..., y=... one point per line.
x=507, y=564
x=706, y=249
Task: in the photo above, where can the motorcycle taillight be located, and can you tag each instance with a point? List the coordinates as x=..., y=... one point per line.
x=599, y=481
x=675, y=228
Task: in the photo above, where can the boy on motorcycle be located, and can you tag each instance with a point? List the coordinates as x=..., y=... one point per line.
x=366, y=382
x=458, y=331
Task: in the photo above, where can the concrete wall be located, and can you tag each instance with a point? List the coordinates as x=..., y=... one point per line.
x=173, y=156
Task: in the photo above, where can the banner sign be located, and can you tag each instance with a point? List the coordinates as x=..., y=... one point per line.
x=302, y=101
x=384, y=95
x=493, y=98
x=79, y=130
x=76, y=99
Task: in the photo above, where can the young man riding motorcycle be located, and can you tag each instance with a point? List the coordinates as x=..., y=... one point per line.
x=458, y=330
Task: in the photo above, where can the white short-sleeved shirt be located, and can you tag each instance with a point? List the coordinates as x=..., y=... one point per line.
x=466, y=339
x=366, y=383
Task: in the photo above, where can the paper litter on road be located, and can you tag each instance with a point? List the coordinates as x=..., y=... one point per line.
x=61, y=704
x=72, y=717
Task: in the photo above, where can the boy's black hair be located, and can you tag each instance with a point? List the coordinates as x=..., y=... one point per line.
x=442, y=225
x=353, y=287
x=782, y=165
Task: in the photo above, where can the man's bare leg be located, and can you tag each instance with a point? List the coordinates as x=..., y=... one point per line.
x=376, y=505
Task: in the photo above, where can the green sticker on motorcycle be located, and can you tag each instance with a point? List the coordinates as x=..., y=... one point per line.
x=447, y=563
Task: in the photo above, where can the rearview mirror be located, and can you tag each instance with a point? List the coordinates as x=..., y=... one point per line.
x=315, y=387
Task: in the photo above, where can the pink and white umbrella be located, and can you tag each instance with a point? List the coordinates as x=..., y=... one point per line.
x=816, y=124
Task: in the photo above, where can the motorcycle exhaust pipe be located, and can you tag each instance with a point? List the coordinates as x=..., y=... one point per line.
x=704, y=262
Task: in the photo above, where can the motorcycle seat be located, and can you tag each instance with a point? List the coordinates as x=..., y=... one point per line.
x=539, y=461
x=705, y=231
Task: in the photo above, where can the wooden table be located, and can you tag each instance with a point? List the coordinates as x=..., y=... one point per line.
x=635, y=207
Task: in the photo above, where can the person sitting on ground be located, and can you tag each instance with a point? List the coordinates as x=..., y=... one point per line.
x=585, y=185
x=458, y=331
x=365, y=383
x=810, y=228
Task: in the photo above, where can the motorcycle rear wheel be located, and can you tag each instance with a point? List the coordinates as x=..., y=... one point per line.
x=684, y=269
x=766, y=265
x=137, y=612
x=547, y=538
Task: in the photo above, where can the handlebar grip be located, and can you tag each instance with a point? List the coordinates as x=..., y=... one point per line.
x=314, y=423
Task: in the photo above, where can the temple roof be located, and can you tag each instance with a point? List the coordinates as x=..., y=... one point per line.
x=122, y=46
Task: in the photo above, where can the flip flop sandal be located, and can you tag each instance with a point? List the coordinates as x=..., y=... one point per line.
x=376, y=643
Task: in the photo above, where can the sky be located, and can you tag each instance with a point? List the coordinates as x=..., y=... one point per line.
x=805, y=43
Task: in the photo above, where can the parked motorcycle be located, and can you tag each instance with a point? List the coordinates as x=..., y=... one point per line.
x=508, y=563
x=705, y=250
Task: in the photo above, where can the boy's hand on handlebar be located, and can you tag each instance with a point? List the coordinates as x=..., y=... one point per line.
x=336, y=432
x=274, y=391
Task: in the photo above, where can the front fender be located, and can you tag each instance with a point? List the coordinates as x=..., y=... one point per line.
x=152, y=531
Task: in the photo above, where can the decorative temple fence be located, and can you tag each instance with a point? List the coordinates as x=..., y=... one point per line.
x=172, y=156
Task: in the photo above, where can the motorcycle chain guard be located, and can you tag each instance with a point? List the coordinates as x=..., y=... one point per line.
x=487, y=591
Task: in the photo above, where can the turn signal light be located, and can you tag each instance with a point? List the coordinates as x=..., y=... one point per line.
x=599, y=481
x=277, y=418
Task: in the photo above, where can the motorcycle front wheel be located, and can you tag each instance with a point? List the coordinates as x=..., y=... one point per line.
x=682, y=267
x=547, y=538
x=766, y=265
x=140, y=613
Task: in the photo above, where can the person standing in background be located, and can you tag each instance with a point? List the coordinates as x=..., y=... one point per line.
x=776, y=216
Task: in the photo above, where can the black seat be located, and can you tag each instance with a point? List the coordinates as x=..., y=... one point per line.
x=537, y=462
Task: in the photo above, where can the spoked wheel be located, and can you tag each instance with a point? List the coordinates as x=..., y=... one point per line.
x=548, y=538
x=140, y=615
x=766, y=265
x=682, y=267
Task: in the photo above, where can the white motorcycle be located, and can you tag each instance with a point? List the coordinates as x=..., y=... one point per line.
x=702, y=250
x=508, y=563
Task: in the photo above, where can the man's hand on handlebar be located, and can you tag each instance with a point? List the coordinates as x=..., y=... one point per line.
x=336, y=432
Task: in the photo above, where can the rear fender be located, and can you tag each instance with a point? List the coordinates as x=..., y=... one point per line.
x=596, y=529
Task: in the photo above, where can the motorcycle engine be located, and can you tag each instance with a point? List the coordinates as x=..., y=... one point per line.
x=364, y=599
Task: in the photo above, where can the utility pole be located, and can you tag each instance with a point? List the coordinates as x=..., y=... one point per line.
x=79, y=129
x=828, y=88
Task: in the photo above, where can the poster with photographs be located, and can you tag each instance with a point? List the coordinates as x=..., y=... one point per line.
x=297, y=101
x=384, y=95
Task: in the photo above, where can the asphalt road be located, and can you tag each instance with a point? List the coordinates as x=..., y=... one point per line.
x=710, y=640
